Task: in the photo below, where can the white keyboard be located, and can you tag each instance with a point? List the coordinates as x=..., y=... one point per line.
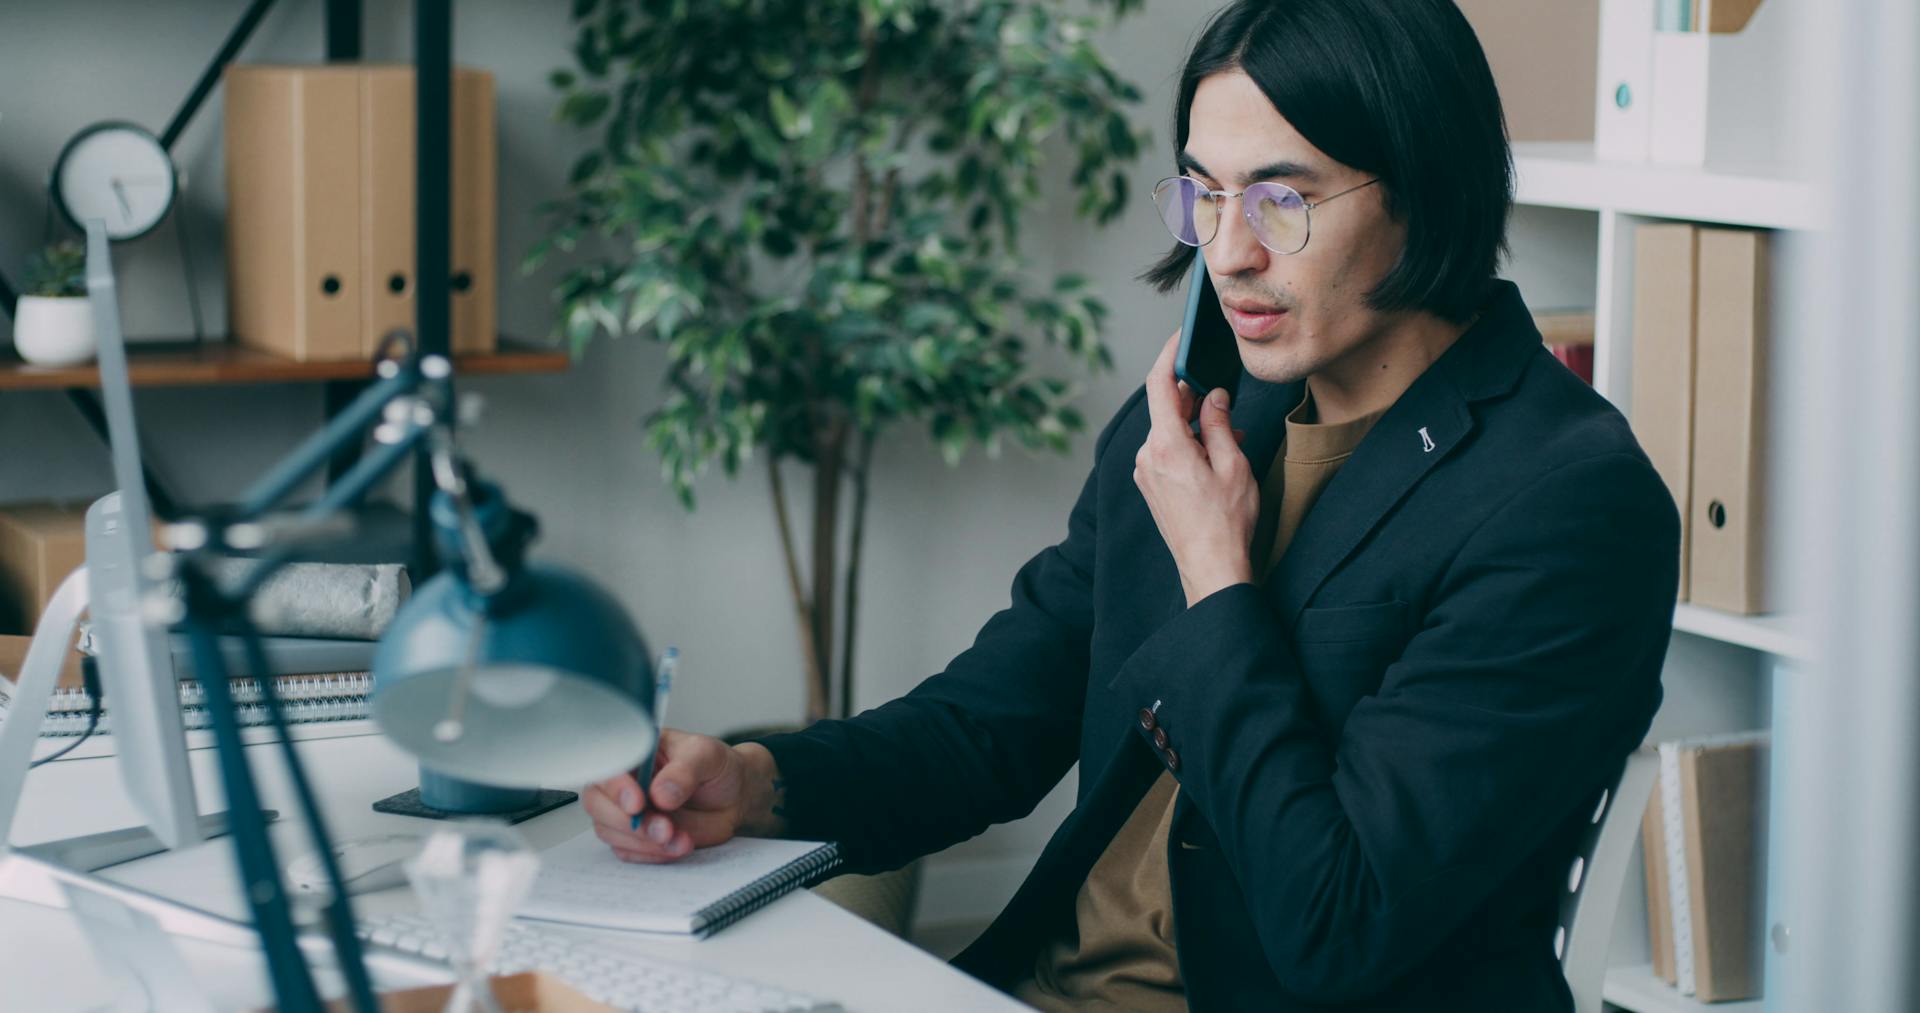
x=624, y=981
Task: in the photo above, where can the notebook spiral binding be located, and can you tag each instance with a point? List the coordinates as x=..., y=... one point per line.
x=801, y=873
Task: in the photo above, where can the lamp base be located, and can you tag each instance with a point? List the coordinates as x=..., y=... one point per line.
x=408, y=803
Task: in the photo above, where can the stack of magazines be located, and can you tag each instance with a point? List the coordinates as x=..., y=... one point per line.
x=315, y=679
x=303, y=698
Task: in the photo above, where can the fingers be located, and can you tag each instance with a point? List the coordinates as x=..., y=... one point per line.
x=613, y=822
x=623, y=790
x=689, y=761
x=643, y=847
x=654, y=838
x=680, y=848
x=1216, y=430
x=703, y=827
x=1163, y=396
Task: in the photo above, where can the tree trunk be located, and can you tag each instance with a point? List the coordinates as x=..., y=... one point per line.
x=803, y=611
x=828, y=468
x=862, y=470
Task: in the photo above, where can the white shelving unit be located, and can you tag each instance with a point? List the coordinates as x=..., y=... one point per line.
x=1769, y=634
x=1567, y=175
x=1720, y=670
x=1635, y=988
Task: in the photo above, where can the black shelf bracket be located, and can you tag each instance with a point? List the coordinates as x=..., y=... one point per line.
x=211, y=76
x=343, y=30
x=433, y=232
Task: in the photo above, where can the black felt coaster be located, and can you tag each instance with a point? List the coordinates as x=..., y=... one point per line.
x=408, y=803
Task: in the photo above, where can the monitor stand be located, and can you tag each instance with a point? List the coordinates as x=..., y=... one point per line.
x=20, y=730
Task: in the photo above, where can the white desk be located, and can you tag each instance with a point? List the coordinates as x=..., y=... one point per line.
x=800, y=942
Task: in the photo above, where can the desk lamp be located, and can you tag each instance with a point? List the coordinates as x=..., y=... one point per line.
x=498, y=670
x=508, y=674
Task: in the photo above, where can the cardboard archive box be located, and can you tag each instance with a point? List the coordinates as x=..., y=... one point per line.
x=40, y=544
x=387, y=207
x=320, y=208
x=1544, y=55
x=1665, y=298
x=1727, y=547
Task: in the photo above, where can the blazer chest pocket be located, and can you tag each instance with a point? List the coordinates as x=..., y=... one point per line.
x=1345, y=650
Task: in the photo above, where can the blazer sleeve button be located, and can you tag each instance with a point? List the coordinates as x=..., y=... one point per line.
x=1146, y=720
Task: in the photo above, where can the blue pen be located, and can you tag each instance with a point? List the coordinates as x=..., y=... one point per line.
x=662, y=683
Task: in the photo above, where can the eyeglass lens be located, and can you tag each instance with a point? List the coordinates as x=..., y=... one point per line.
x=1274, y=211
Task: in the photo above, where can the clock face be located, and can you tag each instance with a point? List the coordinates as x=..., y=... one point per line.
x=117, y=173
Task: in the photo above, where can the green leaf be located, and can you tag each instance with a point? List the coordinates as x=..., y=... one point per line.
x=867, y=296
x=788, y=118
x=584, y=168
x=774, y=66
x=761, y=141
x=584, y=108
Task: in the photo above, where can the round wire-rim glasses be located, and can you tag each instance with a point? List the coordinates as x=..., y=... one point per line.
x=1280, y=219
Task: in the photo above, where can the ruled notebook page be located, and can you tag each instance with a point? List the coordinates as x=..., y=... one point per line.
x=582, y=883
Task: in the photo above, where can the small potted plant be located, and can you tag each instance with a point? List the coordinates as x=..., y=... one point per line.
x=53, y=323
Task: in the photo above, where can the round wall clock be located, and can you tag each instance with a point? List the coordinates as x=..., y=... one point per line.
x=116, y=172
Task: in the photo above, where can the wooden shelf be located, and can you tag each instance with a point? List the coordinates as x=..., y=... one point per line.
x=179, y=364
x=1772, y=634
x=1636, y=989
x=1567, y=175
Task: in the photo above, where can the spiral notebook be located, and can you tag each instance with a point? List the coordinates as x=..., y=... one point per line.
x=581, y=882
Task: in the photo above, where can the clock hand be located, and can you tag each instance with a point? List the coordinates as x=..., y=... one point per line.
x=121, y=192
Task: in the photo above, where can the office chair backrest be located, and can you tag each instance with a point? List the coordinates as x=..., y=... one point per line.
x=1595, y=881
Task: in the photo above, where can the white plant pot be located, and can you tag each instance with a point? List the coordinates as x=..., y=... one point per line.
x=50, y=331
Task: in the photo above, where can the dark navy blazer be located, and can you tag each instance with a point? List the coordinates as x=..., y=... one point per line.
x=1385, y=750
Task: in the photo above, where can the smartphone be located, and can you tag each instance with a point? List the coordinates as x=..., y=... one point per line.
x=1209, y=354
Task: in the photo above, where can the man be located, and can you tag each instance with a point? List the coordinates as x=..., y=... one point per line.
x=1344, y=672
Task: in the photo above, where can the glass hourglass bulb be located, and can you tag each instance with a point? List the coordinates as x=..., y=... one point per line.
x=469, y=878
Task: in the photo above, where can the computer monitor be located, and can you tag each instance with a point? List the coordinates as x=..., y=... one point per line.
x=136, y=669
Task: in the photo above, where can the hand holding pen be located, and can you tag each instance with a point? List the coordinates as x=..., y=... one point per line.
x=699, y=792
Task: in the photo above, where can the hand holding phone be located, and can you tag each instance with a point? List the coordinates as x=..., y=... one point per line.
x=1209, y=354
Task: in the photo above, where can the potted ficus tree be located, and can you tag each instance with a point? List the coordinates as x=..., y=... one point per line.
x=53, y=322
x=815, y=208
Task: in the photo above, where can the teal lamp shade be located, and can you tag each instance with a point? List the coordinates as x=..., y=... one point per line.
x=561, y=694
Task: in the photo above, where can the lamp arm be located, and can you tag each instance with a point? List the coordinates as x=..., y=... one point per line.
x=484, y=573
x=359, y=480
x=317, y=450
x=266, y=895
x=338, y=913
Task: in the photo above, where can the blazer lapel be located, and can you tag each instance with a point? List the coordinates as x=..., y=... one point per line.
x=1418, y=432
x=1429, y=422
